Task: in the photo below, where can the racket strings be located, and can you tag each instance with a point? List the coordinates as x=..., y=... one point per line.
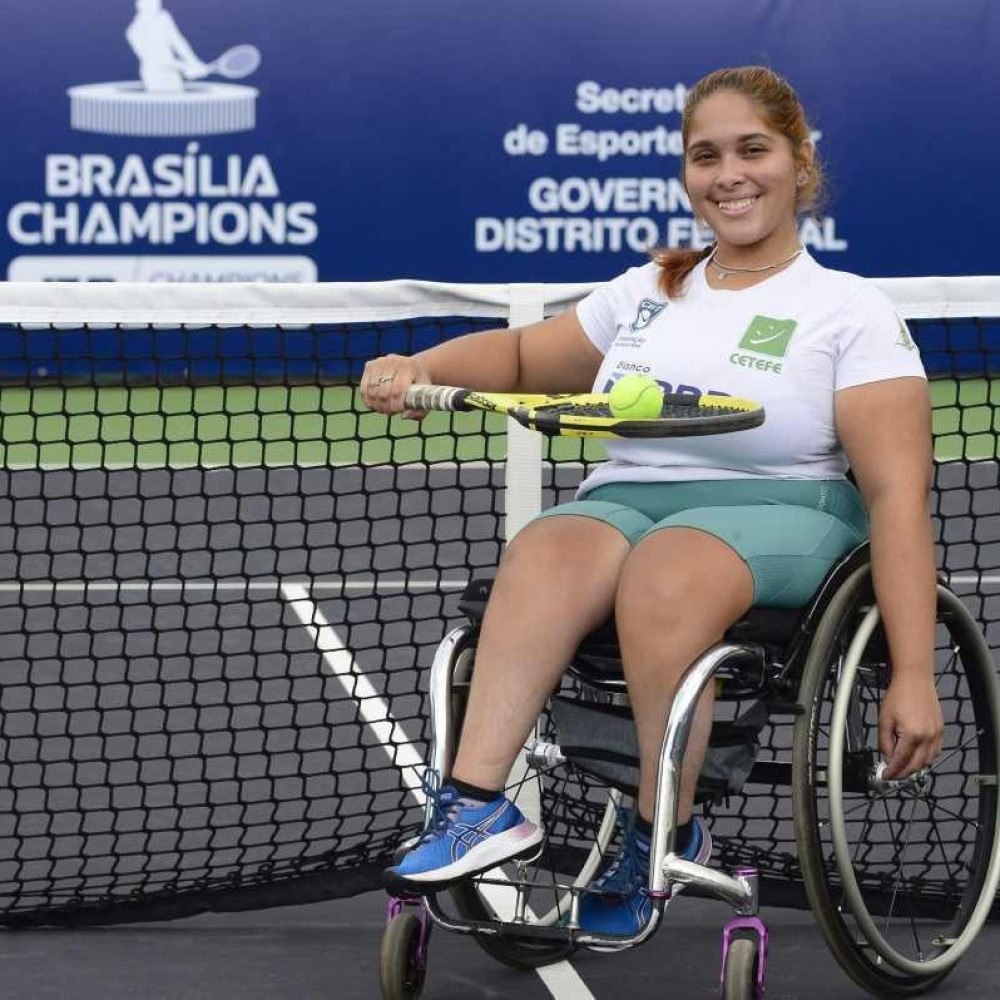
x=668, y=410
x=575, y=409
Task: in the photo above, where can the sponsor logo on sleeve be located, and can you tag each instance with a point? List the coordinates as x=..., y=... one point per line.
x=905, y=340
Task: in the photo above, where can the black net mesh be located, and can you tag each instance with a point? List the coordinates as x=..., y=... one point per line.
x=221, y=584
x=220, y=579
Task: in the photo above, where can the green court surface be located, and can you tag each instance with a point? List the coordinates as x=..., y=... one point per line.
x=215, y=426
x=966, y=419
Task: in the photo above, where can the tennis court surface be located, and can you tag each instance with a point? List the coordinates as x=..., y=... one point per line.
x=221, y=585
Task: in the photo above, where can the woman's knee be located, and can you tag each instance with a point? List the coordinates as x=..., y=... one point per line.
x=558, y=572
x=569, y=547
x=680, y=578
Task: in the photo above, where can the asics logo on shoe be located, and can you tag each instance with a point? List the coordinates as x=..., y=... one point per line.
x=462, y=838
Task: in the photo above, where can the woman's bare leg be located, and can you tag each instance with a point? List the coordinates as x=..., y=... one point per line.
x=556, y=582
x=679, y=590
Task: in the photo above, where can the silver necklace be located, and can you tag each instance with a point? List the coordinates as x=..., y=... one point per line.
x=724, y=270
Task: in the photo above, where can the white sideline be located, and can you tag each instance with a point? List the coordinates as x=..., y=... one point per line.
x=336, y=584
x=561, y=980
x=564, y=982
x=372, y=707
x=328, y=587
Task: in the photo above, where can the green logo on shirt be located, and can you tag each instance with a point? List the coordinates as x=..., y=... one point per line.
x=768, y=336
x=905, y=340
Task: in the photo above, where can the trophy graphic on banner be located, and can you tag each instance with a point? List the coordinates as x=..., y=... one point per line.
x=172, y=96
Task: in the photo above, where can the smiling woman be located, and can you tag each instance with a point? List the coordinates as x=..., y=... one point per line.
x=678, y=539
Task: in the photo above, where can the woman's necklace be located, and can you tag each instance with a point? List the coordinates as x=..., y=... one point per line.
x=724, y=270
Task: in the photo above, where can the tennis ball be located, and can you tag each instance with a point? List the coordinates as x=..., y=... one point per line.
x=637, y=396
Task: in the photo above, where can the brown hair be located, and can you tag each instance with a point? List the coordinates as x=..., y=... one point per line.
x=780, y=108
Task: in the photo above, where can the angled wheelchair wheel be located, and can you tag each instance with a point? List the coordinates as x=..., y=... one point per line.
x=900, y=875
x=579, y=818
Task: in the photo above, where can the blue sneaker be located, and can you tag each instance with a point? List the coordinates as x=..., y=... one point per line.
x=462, y=839
x=617, y=902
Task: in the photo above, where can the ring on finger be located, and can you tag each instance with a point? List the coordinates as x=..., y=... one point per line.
x=385, y=378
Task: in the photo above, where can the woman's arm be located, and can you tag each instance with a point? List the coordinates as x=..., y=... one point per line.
x=554, y=355
x=885, y=428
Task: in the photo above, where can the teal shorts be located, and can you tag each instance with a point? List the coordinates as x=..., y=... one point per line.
x=789, y=532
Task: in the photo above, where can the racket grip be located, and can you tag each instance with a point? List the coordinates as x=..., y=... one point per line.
x=435, y=397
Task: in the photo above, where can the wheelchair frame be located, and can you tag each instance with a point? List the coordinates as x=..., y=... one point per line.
x=745, y=657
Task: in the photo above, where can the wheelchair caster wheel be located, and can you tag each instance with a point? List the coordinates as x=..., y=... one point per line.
x=403, y=958
x=744, y=959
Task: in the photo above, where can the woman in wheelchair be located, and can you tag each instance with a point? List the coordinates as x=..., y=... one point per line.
x=678, y=538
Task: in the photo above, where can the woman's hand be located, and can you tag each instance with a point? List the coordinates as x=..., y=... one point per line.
x=910, y=726
x=385, y=380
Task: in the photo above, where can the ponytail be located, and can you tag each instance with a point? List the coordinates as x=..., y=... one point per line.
x=675, y=266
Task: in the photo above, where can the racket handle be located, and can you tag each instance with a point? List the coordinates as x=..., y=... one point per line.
x=435, y=397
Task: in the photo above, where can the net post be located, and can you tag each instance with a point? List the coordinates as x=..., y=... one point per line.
x=523, y=479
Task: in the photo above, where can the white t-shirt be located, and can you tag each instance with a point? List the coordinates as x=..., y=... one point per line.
x=790, y=342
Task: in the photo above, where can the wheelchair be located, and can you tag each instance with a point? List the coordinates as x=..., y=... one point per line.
x=899, y=875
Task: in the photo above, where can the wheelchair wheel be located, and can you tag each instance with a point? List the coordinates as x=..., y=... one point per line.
x=402, y=968
x=900, y=875
x=739, y=973
x=583, y=814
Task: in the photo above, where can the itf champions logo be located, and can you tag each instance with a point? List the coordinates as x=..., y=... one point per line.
x=169, y=98
x=153, y=208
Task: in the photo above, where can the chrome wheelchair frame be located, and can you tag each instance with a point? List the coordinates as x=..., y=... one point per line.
x=826, y=665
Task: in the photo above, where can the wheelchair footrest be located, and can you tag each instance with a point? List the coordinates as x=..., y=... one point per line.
x=530, y=933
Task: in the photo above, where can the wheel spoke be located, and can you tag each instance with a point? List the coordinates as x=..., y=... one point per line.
x=867, y=802
x=954, y=815
x=870, y=803
x=899, y=877
x=932, y=820
x=934, y=765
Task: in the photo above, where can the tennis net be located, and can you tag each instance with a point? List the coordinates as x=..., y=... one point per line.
x=221, y=579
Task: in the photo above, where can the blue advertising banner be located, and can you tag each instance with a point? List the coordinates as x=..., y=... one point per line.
x=526, y=140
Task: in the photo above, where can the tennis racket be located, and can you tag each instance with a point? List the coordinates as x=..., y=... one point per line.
x=237, y=62
x=589, y=414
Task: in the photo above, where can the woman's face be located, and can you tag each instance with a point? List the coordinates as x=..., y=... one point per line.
x=740, y=174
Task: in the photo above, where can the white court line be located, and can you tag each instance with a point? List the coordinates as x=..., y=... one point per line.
x=561, y=980
x=478, y=465
x=564, y=982
x=351, y=586
x=308, y=586
x=372, y=707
